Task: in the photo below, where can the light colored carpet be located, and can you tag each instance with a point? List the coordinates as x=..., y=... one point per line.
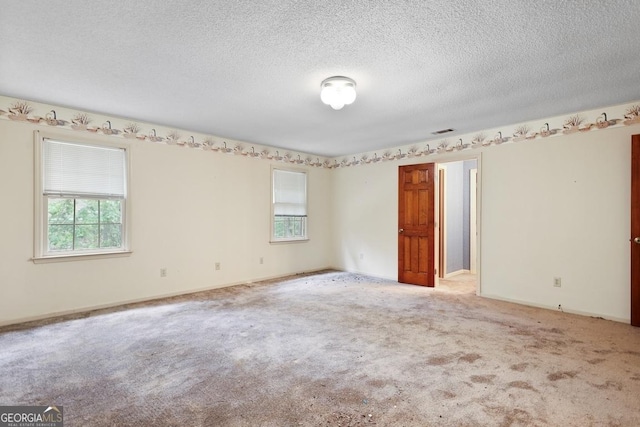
x=332, y=349
x=459, y=284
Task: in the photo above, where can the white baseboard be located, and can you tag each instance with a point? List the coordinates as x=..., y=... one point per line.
x=456, y=273
x=564, y=309
x=147, y=299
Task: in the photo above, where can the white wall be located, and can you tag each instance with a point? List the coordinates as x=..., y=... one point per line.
x=559, y=208
x=550, y=207
x=191, y=208
x=365, y=219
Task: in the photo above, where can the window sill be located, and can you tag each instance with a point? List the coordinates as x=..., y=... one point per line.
x=79, y=257
x=306, y=239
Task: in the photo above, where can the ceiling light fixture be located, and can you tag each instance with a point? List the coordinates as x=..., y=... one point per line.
x=338, y=91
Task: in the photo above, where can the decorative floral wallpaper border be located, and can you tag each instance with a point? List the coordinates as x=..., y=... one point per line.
x=31, y=112
x=576, y=123
x=25, y=111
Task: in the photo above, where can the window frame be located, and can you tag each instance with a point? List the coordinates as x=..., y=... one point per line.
x=41, y=201
x=272, y=238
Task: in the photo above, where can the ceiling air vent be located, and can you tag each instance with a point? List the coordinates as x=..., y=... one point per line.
x=440, y=132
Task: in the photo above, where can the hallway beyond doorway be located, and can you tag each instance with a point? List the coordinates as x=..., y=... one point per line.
x=465, y=283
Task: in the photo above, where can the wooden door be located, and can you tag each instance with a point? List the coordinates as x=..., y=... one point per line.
x=442, y=241
x=635, y=230
x=416, y=224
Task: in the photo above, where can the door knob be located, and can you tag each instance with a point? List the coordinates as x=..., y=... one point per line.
x=637, y=240
x=402, y=230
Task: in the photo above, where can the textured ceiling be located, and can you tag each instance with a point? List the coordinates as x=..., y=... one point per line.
x=251, y=70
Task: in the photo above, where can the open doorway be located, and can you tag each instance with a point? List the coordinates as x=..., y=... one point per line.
x=457, y=248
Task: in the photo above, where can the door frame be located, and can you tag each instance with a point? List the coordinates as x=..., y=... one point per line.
x=441, y=223
x=459, y=157
x=473, y=224
x=634, y=230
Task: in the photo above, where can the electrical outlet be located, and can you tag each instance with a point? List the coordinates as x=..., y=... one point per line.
x=163, y=272
x=557, y=282
x=261, y=260
x=560, y=307
x=217, y=266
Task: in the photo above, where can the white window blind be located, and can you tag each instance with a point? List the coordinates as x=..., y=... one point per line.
x=289, y=193
x=76, y=169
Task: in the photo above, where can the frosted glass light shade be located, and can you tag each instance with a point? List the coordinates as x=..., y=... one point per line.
x=338, y=91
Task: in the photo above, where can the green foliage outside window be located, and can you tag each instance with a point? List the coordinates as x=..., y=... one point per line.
x=285, y=227
x=84, y=224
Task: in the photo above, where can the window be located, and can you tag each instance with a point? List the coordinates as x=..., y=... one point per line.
x=81, y=198
x=289, y=204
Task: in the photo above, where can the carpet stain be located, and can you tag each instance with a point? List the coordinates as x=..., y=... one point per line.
x=511, y=416
x=524, y=385
x=609, y=385
x=538, y=345
x=596, y=361
x=377, y=383
x=441, y=360
x=447, y=394
x=470, y=358
x=561, y=375
x=516, y=417
x=522, y=332
x=344, y=419
x=604, y=351
x=544, y=343
x=520, y=367
x=482, y=379
x=509, y=349
x=219, y=416
x=552, y=330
